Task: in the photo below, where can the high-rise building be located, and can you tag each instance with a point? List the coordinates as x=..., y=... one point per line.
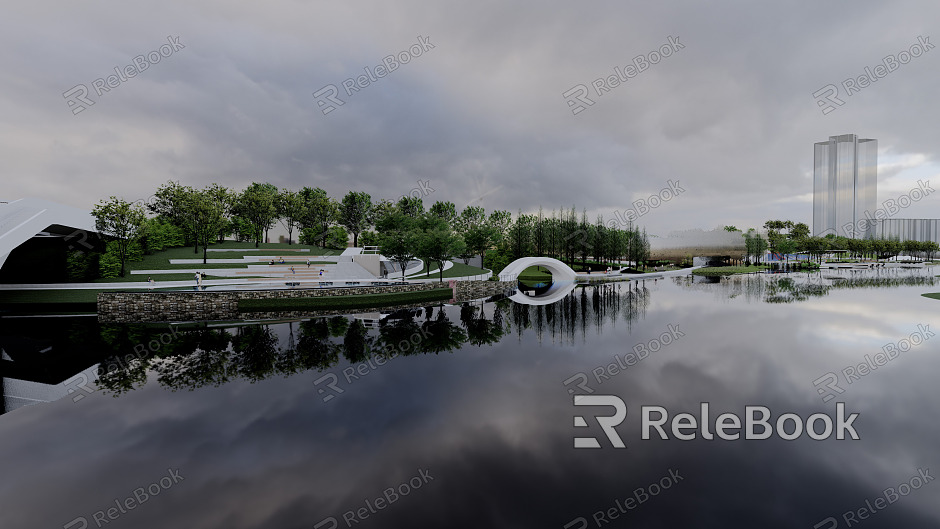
x=845, y=185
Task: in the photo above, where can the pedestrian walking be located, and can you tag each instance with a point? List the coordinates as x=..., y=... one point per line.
x=321, y=272
x=308, y=262
x=150, y=282
x=293, y=271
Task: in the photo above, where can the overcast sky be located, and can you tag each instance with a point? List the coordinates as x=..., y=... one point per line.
x=481, y=115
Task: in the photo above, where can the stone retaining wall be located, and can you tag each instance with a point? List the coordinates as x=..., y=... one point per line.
x=125, y=307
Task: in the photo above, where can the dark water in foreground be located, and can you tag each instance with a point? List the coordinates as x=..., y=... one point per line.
x=267, y=425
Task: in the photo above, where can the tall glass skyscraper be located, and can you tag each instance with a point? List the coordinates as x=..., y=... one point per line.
x=845, y=185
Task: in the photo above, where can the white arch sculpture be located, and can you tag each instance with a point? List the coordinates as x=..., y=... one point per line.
x=560, y=271
x=563, y=279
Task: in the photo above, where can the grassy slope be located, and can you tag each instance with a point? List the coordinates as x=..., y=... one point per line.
x=458, y=270
x=932, y=295
x=344, y=302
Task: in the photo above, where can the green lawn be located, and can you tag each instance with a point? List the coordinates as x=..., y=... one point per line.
x=16, y=297
x=360, y=301
x=458, y=270
x=535, y=274
x=932, y=295
x=713, y=271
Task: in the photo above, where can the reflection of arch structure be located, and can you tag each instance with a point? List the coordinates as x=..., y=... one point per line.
x=553, y=294
x=563, y=278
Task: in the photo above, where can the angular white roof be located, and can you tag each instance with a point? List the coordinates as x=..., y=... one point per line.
x=23, y=219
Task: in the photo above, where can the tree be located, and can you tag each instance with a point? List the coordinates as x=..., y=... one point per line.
x=122, y=220
x=337, y=238
x=520, y=236
x=445, y=211
x=225, y=201
x=256, y=204
x=208, y=217
x=930, y=248
x=774, y=228
x=319, y=214
x=172, y=201
x=786, y=247
x=241, y=228
x=754, y=245
x=911, y=247
x=816, y=246
x=271, y=191
x=369, y=238
x=423, y=226
x=398, y=238
x=411, y=206
x=439, y=245
x=471, y=217
x=380, y=210
x=355, y=212
x=290, y=209
x=499, y=222
x=731, y=228
x=892, y=247
x=879, y=248
x=479, y=239
x=799, y=231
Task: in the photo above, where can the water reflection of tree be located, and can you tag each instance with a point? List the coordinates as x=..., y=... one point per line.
x=198, y=356
x=796, y=287
x=400, y=334
x=206, y=365
x=480, y=330
x=255, y=352
x=587, y=306
x=440, y=334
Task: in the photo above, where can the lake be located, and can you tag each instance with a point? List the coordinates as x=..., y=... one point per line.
x=464, y=416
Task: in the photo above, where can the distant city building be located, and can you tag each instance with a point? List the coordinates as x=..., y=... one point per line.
x=845, y=185
x=905, y=229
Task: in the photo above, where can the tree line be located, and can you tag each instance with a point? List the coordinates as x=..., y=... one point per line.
x=787, y=237
x=181, y=215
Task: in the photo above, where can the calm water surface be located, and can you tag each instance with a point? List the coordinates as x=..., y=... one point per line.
x=307, y=424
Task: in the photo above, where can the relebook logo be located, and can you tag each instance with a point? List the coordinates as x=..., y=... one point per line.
x=758, y=423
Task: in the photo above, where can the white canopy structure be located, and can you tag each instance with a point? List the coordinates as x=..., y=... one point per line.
x=24, y=219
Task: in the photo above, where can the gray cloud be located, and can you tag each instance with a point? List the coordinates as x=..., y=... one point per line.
x=731, y=115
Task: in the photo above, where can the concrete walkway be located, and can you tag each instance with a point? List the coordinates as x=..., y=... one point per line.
x=651, y=275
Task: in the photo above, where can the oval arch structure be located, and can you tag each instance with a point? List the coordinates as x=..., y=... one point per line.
x=563, y=279
x=560, y=271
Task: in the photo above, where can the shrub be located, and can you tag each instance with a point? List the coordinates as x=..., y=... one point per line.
x=82, y=266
